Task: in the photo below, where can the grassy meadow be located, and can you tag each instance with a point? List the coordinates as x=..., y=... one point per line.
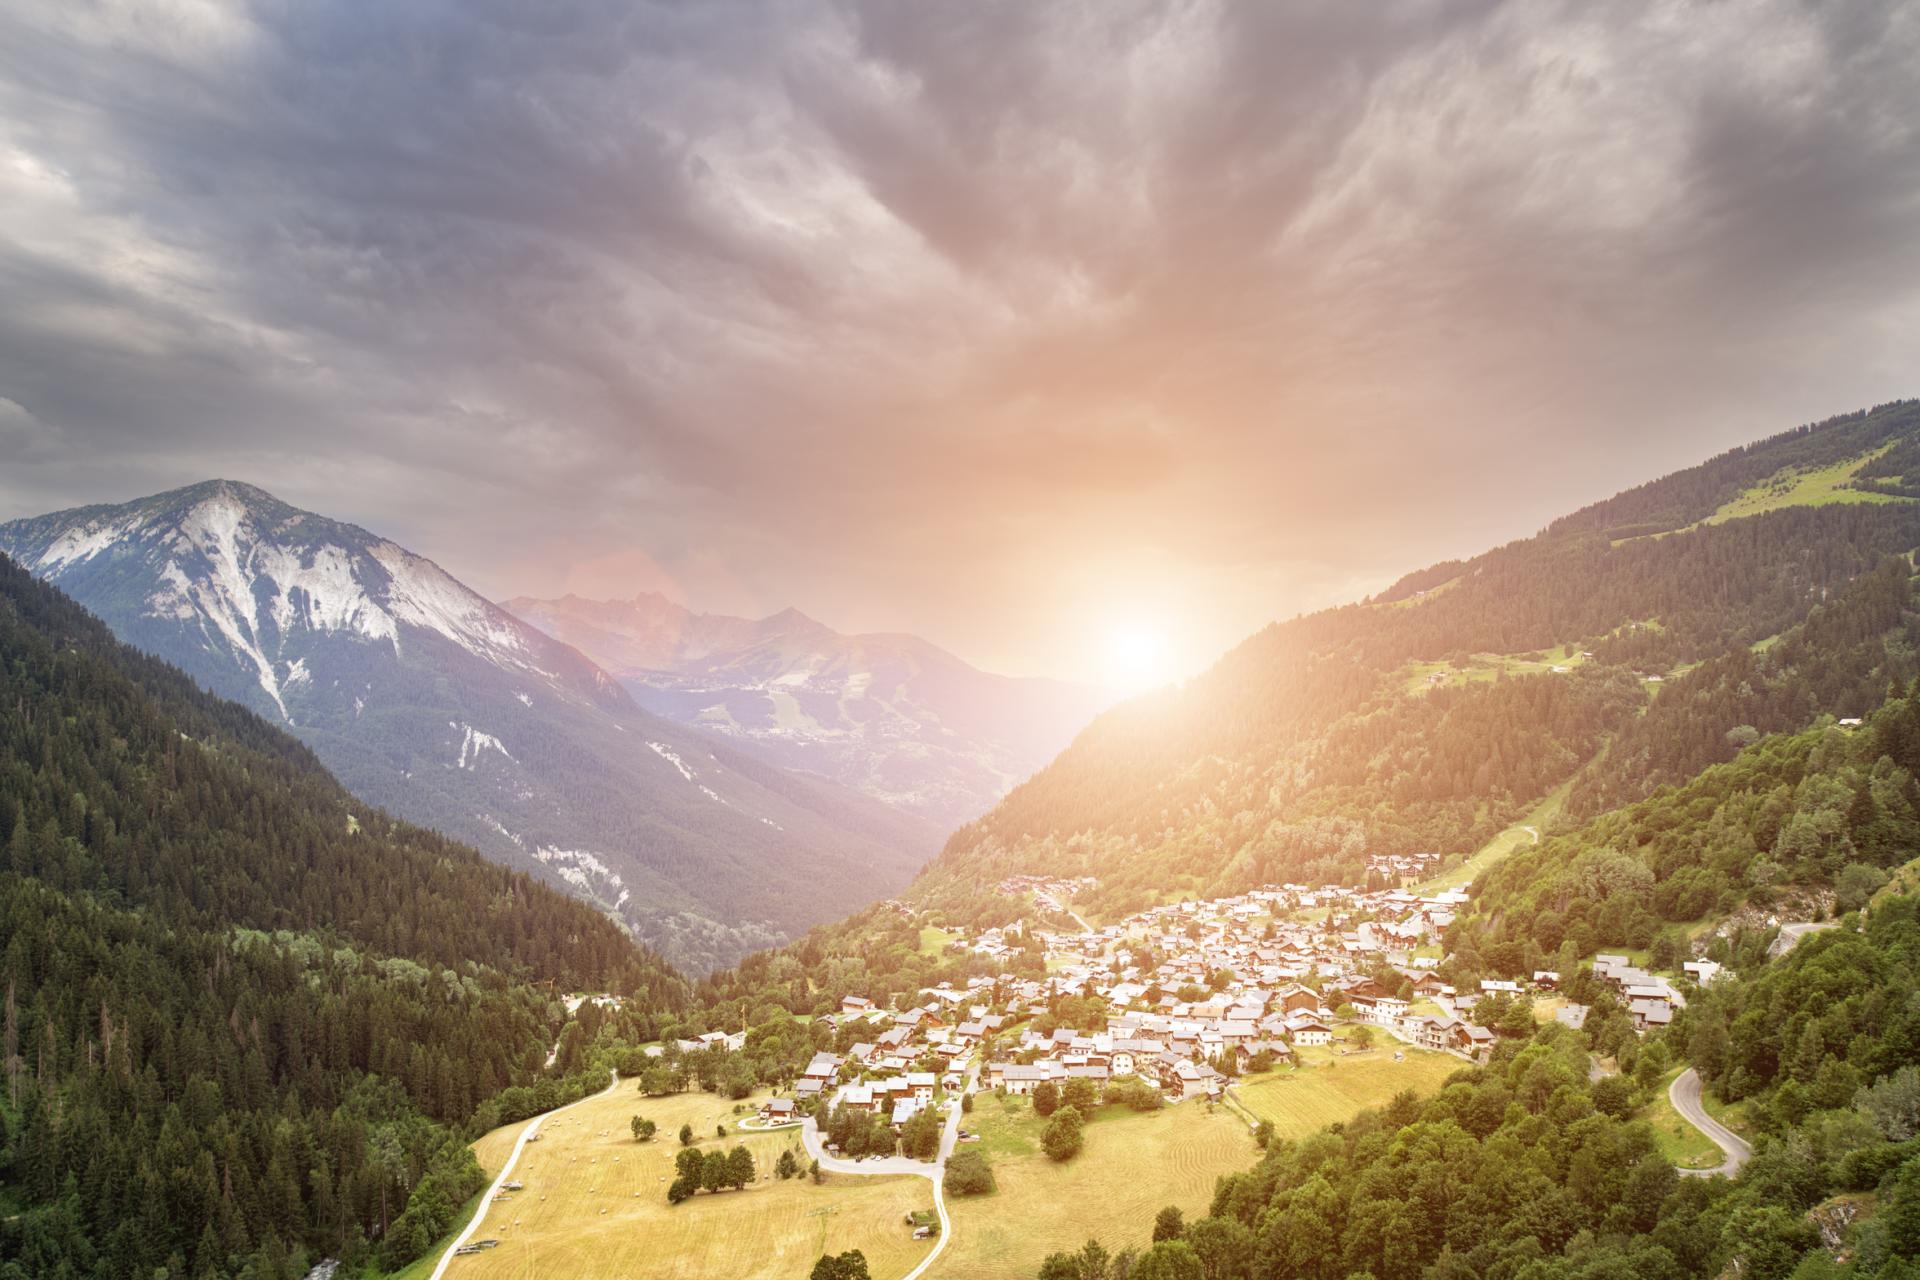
x=1133, y=1165
x=595, y=1204
x=1328, y=1088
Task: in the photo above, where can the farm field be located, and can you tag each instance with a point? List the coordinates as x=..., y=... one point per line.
x=1327, y=1090
x=1133, y=1165
x=595, y=1203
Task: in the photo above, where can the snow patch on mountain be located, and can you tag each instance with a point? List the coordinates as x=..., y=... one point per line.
x=500, y=828
x=580, y=868
x=474, y=744
x=422, y=594
x=668, y=754
x=83, y=543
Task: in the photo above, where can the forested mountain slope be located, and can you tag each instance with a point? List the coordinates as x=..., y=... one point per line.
x=1431, y=717
x=430, y=701
x=243, y=1011
x=1820, y=816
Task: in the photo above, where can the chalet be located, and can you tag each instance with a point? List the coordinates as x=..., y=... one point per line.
x=1248, y=1050
x=1474, y=1041
x=1701, y=971
x=1309, y=1031
x=1019, y=1079
x=922, y=1084
x=778, y=1110
x=1650, y=1014
x=855, y=1005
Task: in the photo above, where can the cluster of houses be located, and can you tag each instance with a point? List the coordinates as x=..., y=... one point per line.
x=1188, y=988
x=1649, y=998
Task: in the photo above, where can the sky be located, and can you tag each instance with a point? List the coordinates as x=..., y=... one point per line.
x=1078, y=338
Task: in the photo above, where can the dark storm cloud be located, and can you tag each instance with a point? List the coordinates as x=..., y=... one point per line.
x=973, y=319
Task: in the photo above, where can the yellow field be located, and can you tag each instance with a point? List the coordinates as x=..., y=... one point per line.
x=1326, y=1091
x=595, y=1204
x=1133, y=1166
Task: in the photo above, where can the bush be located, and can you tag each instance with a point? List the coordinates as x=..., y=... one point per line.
x=1137, y=1095
x=969, y=1174
x=1063, y=1137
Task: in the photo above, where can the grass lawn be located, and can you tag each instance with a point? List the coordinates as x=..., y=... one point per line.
x=1680, y=1142
x=1519, y=835
x=933, y=941
x=1328, y=1088
x=595, y=1204
x=1133, y=1166
x=1731, y=1114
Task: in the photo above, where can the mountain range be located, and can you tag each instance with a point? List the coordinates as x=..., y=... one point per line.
x=892, y=716
x=428, y=700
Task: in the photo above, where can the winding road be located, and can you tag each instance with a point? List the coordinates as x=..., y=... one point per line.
x=816, y=1146
x=506, y=1172
x=1684, y=1094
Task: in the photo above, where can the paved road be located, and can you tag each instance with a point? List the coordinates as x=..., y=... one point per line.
x=513, y=1158
x=1684, y=1094
x=816, y=1145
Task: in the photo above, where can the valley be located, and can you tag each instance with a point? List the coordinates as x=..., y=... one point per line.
x=1495, y=894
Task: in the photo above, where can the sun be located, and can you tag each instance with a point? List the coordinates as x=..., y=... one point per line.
x=1136, y=655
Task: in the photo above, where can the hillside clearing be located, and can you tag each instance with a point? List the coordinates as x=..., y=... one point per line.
x=1525, y=832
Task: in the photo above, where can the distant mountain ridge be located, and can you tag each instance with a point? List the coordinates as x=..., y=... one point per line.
x=427, y=699
x=893, y=716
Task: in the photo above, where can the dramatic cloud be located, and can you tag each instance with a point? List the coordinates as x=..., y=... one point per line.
x=994, y=321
